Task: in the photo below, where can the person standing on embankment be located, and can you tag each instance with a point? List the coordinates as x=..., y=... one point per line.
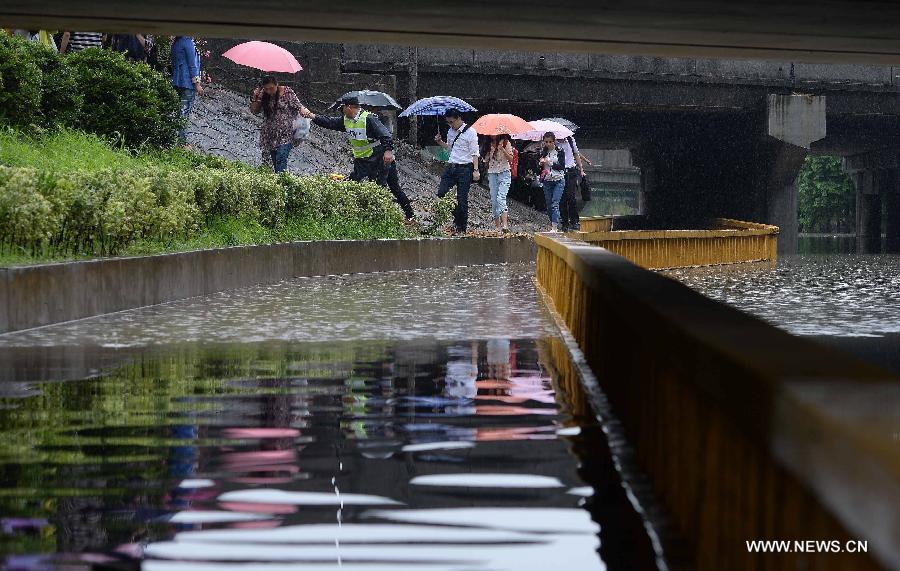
x=372, y=146
x=185, y=77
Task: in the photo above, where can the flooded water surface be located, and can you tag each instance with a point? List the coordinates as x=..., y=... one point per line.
x=846, y=300
x=396, y=421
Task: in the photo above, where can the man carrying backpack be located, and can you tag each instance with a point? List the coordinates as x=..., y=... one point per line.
x=462, y=166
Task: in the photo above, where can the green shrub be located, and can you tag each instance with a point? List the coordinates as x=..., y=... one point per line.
x=61, y=100
x=123, y=100
x=96, y=200
x=20, y=83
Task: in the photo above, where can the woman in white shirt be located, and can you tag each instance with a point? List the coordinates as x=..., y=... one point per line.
x=497, y=154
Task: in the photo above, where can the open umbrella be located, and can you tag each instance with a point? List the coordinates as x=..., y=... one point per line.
x=501, y=124
x=370, y=98
x=564, y=122
x=437, y=105
x=541, y=127
x=263, y=56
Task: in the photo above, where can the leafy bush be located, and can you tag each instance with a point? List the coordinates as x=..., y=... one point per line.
x=61, y=100
x=20, y=83
x=96, y=200
x=124, y=100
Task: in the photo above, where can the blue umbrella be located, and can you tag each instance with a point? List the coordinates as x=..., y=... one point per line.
x=437, y=105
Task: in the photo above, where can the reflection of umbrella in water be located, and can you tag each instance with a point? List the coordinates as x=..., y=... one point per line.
x=437, y=105
x=370, y=98
x=564, y=122
x=263, y=56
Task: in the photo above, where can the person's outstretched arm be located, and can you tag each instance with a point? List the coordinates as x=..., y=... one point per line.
x=333, y=123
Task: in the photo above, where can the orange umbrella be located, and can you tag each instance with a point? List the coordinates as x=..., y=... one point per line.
x=501, y=124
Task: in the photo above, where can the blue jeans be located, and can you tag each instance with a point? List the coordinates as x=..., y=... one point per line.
x=187, y=95
x=461, y=177
x=553, y=192
x=280, y=157
x=499, y=183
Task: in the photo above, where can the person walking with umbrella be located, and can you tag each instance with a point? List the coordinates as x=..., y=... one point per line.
x=497, y=154
x=280, y=106
x=462, y=166
x=553, y=176
x=371, y=144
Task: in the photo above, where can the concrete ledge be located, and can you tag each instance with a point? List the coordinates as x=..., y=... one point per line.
x=747, y=432
x=31, y=296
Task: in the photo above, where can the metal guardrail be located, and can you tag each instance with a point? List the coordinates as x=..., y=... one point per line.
x=728, y=242
x=747, y=433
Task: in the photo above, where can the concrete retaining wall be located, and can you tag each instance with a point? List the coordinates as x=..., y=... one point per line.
x=32, y=296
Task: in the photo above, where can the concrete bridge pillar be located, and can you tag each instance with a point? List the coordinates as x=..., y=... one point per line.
x=890, y=204
x=868, y=211
x=793, y=122
x=781, y=192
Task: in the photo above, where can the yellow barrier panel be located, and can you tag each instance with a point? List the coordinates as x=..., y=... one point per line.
x=728, y=242
x=746, y=432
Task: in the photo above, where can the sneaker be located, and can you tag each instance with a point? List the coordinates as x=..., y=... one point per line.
x=563, y=228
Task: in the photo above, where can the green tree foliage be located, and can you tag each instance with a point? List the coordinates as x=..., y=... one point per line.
x=827, y=197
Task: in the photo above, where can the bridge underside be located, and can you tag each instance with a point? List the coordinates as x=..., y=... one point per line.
x=796, y=30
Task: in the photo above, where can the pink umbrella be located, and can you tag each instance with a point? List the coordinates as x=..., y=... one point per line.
x=264, y=56
x=543, y=126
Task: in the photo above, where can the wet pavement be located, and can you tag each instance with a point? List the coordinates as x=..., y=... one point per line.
x=406, y=420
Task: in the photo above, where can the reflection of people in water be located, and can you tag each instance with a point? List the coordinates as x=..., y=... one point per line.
x=462, y=371
x=498, y=359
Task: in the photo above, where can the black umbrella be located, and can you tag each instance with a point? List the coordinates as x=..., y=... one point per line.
x=371, y=99
x=564, y=122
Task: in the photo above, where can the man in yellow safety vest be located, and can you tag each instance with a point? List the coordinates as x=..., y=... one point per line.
x=372, y=147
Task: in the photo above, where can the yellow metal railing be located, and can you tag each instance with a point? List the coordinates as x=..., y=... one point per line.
x=746, y=432
x=728, y=242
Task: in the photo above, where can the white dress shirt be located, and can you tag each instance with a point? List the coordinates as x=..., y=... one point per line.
x=466, y=147
x=567, y=151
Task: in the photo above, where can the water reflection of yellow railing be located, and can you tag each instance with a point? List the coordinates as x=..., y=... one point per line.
x=747, y=433
x=726, y=242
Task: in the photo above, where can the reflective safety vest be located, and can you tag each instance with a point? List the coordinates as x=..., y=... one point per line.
x=359, y=142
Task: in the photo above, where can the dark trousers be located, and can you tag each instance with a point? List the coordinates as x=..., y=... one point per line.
x=568, y=206
x=374, y=169
x=459, y=176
